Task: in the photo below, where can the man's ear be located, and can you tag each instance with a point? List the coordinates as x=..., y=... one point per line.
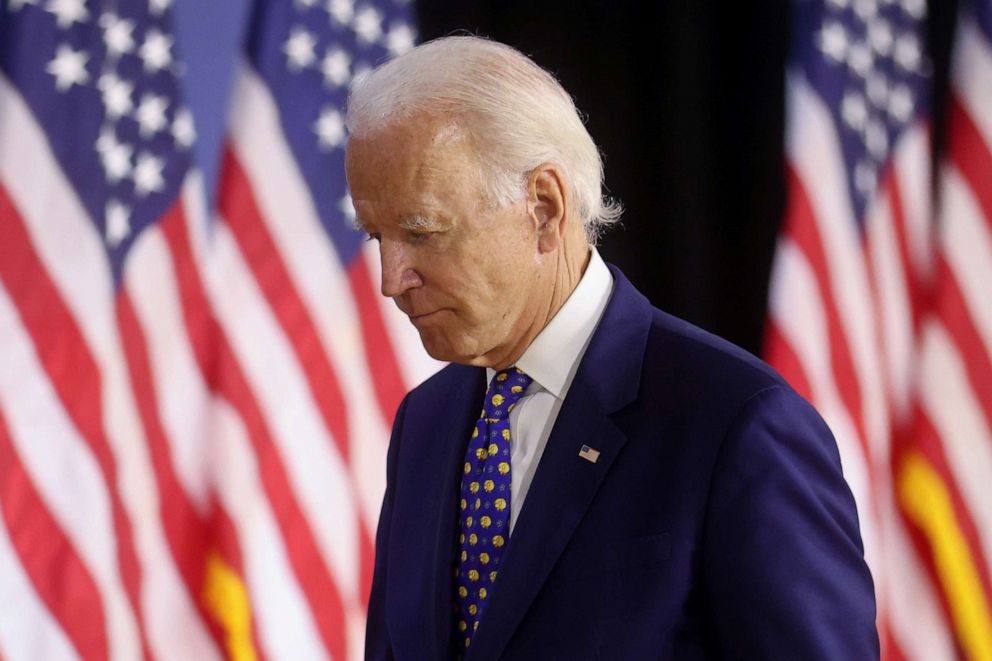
x=547, y=204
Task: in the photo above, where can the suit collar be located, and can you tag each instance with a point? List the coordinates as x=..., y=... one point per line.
x=565, y=483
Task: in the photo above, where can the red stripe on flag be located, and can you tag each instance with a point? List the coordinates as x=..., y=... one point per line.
x=240, y=211
x=223, y=373
x=780, y=354
x=185, y=530
x=379, y=352
x=802, y=229
x=48, y=556
x=73, y=373
x=968, y=151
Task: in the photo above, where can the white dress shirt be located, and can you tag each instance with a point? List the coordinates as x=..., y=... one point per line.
x=552, y=360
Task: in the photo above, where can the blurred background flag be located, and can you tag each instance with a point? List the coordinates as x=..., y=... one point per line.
x=194, y=411
x=318, y=359
x=854, y=301
x=943, y=476
x=105, y=535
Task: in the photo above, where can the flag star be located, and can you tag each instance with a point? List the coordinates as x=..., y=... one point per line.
x=915, y=8
x=148, y=174
x=880, y=37
x=150, y=114
x=115, y=156
x=69, y=67
x=860, y=58
x=900, y=105
x=117, y=35
x=399, y=39
x=329, y=128
x=116, y=95
x=838, y=4
x=876, y=139
x=14, y=5
x=336, y=67
x=183, y=128
x=833, y=41
x=67, y=12
x=341, y=10
x=159, y=7
x=118, y=222
x=907, y=52
x=877, y=87
x=299, y=49
x=368, y=24
x=854, y=110
x=865, y=9
x=865, y=177
x=155, y=52
x=347, y=207
x=304, y=4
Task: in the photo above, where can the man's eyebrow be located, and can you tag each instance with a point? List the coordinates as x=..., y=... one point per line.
x=420, y=223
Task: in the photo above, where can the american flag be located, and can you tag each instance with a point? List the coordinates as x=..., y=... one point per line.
x=193, y=411
x=864, y=318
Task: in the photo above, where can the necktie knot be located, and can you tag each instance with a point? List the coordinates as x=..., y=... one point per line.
x=506, y=388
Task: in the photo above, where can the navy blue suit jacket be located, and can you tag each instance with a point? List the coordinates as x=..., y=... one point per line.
x=715, y=523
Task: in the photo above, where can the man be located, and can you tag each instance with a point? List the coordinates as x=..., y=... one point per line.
x=634, y=488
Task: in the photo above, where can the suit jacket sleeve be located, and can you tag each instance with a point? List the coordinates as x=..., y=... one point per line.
x=783, y=566
x=377, y=643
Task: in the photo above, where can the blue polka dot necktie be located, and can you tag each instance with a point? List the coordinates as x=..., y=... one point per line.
x=484, y=504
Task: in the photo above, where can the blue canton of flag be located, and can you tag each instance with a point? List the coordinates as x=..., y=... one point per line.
x=867, y=61
x=103, y=81
x=309, y=53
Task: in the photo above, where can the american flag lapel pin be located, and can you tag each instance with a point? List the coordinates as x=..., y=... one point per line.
x=589, y=454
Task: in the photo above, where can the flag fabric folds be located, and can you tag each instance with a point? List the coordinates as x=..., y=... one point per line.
x=879, y=310
x=194, y=410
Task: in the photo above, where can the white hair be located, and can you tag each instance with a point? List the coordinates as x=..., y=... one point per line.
x=515, y=113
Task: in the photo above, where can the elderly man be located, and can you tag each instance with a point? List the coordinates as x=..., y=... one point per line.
x=634, y=488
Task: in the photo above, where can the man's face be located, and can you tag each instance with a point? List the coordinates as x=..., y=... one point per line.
x=470, y=278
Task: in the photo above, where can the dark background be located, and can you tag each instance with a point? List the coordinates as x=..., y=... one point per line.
x=685, y=99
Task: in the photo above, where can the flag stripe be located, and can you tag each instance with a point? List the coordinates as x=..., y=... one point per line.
x=223, y=373
x=780, y=353
x=73, y=373
x=59, y=576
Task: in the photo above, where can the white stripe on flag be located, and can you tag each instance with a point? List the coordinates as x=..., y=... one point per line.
x=972, y=75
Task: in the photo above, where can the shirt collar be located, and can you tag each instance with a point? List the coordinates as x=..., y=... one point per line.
x=554, y=355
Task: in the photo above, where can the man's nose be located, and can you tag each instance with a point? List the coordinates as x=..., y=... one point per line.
x=398, y=270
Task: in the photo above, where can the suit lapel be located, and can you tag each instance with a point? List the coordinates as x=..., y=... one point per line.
x=565, y=483
x=464, y=406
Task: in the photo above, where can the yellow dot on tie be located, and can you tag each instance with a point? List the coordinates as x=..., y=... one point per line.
x=462, y=591
x=475, y=432
x=473, y=609
x=475, y=626
x=500, y=504
x=489, y=485
x=483, y=593
x=518, y=370
x=498, y=541
x=474, y=487
x=481, y=453
x=461, y=538
x=468, y=468
x=492, y=576
x=493, y=448
x=469, y=521
x=516, y=389
x=503, y=467
x=478, y=503
x=510, y=407
x=472, y=539
x=468, y=641
x=462, y=625
x=485, y=521
x=506, y=436
x=473, y=575
x=502, y=376
x=483, y=558
x=463, y=504
x=497, y=400
x=464, y=556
